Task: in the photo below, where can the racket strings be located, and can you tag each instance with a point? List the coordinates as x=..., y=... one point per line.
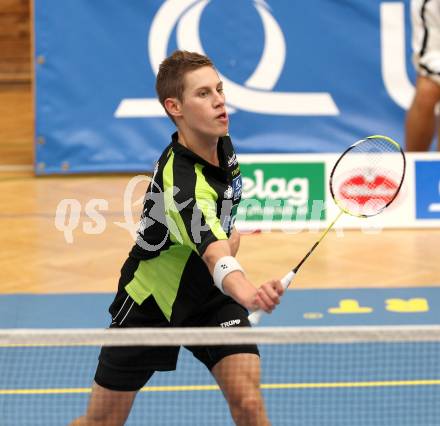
x=368, y=176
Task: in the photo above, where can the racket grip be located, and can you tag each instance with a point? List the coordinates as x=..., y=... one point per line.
x=255, y=317
x=287, y=279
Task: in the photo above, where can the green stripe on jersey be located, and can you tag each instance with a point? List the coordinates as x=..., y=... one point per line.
x=160, y=277
x=208, y=205
x=176, y=225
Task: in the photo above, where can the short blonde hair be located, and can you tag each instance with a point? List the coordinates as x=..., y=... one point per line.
x=170, y=78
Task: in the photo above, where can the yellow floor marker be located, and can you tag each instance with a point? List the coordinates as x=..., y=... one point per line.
x=350, y=306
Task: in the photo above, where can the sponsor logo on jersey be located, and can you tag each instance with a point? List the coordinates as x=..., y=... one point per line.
x=228, y=193
x=230, y=323
x=232, y=161
x=237, y=187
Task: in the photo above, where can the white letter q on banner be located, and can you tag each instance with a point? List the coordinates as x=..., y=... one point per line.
x=256, y=94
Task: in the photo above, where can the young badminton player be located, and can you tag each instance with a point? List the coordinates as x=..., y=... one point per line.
x=182, y=270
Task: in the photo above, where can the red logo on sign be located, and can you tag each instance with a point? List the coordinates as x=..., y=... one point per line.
x=371, y=189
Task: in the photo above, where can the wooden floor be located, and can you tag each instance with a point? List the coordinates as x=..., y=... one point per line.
x=16, y=125
x=16, y=102
x=36, y=256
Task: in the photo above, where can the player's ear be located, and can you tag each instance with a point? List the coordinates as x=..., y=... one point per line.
x=173, y=106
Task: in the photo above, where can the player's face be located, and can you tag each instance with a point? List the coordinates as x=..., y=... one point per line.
x=203, y=104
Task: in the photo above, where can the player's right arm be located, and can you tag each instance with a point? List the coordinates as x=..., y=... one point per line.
x=234, y=242
x=236, y=285
x=193, y=212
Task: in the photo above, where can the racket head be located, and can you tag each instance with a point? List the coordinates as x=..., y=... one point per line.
x=368, y=176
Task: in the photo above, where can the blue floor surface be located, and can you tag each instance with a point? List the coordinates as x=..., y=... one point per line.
x=363, y=384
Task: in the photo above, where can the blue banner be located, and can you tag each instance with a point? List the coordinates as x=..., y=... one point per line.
x=298, y=76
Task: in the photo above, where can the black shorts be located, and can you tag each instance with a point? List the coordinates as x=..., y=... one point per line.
x=129, y=368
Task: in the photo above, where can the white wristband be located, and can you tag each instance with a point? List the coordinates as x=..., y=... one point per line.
x=224, y=266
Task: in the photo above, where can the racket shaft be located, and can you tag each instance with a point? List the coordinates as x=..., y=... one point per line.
x=255, y=317
x=375, y=148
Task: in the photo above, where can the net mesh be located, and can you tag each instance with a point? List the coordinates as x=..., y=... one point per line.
x=310, y=376
x=368, y=176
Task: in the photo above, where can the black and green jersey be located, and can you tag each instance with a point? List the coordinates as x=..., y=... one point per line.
x=189, y=204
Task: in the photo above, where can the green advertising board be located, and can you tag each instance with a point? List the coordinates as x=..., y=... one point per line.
x=279, y=192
